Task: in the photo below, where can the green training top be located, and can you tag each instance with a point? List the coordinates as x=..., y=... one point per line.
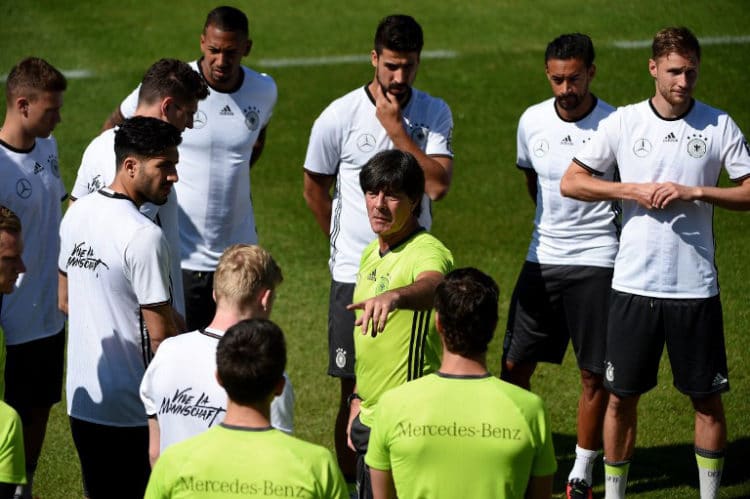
x=448, y=437
x=230, y=462
x=12, y=461
x=409, y=346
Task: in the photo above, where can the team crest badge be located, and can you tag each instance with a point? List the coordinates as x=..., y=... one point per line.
x=52, y=160
x=642, y=148
x=610, y=372
x=199, y=119
x=541, y=148
x=419, y=135
x=697, y=146
x=383, y=284
x=340, y=358
x=252, y=118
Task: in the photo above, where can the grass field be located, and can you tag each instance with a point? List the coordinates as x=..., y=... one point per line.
x=486, y=219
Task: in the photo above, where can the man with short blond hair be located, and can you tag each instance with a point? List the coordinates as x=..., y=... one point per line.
x=183, y=399
x=30, y=185
x=670, y=150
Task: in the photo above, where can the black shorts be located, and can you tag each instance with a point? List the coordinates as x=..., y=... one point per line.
x=693, y=331
x=34, y=373
x=554, y=303
x=341, y=331
x=114, y=460
x=199, y=298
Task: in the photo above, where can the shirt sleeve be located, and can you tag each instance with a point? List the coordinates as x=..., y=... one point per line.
x=282, y=408
x=88, y=179
x=434, y=256
x=147, y=266
x=440, y=136
x=544, y=459
x=599, y=154
x=324, y=148
x=12, y=467
x=522, y=146
x=735, y=154
x=130, y=104
x=148, y=388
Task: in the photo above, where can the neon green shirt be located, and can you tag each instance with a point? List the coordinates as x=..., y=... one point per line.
x=409, y=346
x=2, y=364
x=230, y=462
x=12, y=461
x=448, y=437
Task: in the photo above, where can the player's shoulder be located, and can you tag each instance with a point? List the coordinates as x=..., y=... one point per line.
x=539, y=113
x=258, y=80
x=424, y=100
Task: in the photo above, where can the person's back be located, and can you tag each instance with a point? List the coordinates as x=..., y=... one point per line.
x=485, y=440
x=230, y=461
x=244, y=455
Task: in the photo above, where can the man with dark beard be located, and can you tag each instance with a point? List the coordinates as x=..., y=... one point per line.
x=387, y=113
x=563, y=289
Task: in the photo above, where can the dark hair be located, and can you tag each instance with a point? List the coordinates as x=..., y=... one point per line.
x=227, y=19
x=9, y=221
x=32, y=76
x=678, y=40
x=571, y=46
x=466, y=302
x=172, y=78
x=394, y=171
x=250, y=360
x=399, y=33
x=144, y=137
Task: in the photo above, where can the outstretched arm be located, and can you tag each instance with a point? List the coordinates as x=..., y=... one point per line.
x=418, y=295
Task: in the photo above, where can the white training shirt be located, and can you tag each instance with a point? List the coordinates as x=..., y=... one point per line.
x=30, y=185
x=343, y=138
x=116, y=260
x=181, y=390
x=668, y=253
x=566, y=231
x=215, y=205
x=97, y=170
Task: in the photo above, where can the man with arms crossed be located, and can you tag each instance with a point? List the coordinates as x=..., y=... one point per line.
x=395, y=338
x=182, y=398
x=386, y=113
x=30, y=185
x=114, y=281
x=227, y=138
x=461, y=432
x=244, y=455
x=12, y=462
x=670, y=150
x=563, y=290
x=170, y=91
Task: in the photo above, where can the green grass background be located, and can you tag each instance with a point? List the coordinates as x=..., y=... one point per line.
x=486, y=219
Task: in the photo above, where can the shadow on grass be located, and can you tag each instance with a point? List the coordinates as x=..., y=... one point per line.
x=661, y=467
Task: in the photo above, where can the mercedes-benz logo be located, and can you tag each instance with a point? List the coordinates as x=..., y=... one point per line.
x=366, y=142
x=23, y=188
x=541, y=148
x=199, y=119
x=642, y=148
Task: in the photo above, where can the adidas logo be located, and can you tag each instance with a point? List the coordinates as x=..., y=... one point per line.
x=372, y=276
x=670, y=137
x=719, y=380
x=37, y=168
x=226, y=111
x=567, y=141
